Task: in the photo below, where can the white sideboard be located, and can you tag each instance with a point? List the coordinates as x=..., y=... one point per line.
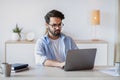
x=23, y=51
x=102, y=50
x=20, y=52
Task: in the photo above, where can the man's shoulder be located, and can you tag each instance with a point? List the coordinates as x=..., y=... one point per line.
x=66, y=36
x=42, y=39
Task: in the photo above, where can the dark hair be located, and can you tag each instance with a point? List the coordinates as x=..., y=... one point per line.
x=53, y=13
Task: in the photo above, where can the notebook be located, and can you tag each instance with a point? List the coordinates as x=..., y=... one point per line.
x=17, y=66
x=80, y=59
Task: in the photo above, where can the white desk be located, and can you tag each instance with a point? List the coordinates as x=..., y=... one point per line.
x=53, y=73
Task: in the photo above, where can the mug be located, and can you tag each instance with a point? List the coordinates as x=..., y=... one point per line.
x=5, y=69
x=117, y=68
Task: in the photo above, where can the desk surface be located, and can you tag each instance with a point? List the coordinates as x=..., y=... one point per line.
x=53, y=73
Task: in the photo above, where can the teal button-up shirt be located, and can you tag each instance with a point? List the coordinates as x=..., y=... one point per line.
x=43, y=49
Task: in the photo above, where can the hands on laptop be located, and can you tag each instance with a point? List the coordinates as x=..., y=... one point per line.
x=62, y=65
x=52, y=63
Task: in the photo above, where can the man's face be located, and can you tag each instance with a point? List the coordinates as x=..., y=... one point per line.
x=54, y=26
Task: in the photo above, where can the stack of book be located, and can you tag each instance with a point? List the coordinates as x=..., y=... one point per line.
x=18, y=67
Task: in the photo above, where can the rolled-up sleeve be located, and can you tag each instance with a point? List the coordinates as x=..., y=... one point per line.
x=40, y=57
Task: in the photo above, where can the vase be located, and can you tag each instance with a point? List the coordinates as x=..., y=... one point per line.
x=15, y=36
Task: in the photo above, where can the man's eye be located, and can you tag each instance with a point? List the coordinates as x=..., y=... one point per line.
x=54, y=24
x=59, y=24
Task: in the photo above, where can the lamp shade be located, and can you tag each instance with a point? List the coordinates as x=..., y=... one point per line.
x=95, y=17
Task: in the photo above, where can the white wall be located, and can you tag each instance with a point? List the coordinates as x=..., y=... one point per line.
x=29, y=14
x=117, y=40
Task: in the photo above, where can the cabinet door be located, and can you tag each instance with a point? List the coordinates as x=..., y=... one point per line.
x=20, y=53
x=101, y=54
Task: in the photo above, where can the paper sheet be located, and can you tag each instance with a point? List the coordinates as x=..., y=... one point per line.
x=110, y=71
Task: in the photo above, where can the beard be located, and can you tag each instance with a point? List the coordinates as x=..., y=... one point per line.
x=55, y=33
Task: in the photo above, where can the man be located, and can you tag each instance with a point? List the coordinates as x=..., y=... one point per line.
x=51, y=49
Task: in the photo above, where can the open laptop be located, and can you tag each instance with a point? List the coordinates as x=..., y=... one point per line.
x=80, y=59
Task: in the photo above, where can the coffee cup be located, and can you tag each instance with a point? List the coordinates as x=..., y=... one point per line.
x=5, y=69
x=117, y=68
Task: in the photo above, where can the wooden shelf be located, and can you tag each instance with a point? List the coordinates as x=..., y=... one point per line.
x=20, y=41
x=90, y=41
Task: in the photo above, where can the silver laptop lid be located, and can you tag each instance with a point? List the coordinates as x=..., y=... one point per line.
x=80, y=59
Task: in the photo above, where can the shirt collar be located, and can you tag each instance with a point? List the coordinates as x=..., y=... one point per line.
x=62, y=36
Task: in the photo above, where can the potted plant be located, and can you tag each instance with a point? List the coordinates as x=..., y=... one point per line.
x=16, y=33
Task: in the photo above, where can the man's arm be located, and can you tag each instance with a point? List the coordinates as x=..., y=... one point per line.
x=41, y=58
x=54, y=63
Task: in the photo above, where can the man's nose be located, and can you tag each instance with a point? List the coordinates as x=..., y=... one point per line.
x=57, y=27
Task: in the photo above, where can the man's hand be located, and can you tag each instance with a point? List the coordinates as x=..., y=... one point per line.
x=52, y=63
x=62, y=64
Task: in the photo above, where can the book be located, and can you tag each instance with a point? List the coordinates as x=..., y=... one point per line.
x=20, y=70
x=17, y=66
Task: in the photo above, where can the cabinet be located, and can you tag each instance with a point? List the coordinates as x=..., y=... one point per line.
x=102, y=50
x=20, y=52
x=23, y=51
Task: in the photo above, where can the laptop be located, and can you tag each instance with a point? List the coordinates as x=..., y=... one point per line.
x=80, y=59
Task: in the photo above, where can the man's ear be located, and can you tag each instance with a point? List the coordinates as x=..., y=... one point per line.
x=46, y=25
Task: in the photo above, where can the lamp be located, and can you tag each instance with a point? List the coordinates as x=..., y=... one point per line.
x=95, y=20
